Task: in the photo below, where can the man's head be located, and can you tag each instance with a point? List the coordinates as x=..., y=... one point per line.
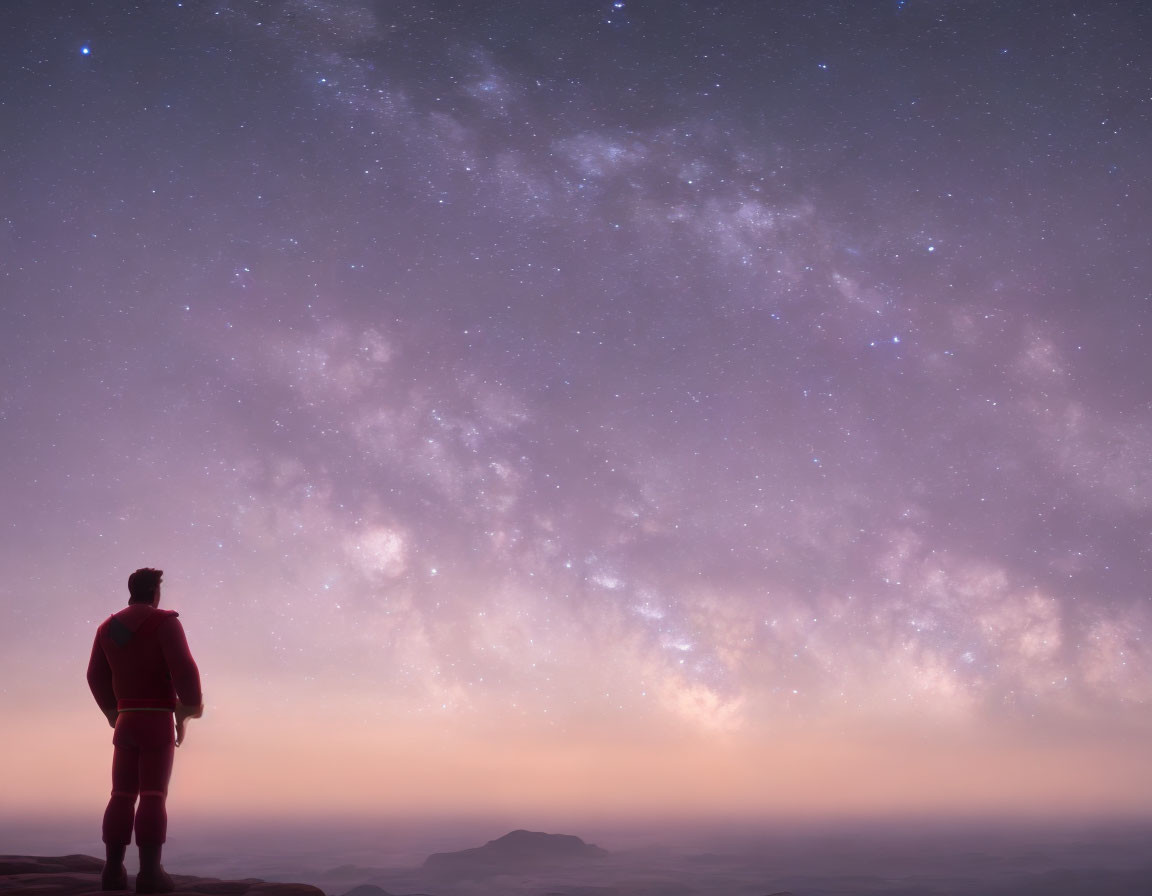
x=144, y=586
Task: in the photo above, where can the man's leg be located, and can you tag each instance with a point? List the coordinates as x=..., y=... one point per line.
x=152, y=817
x=117, y=826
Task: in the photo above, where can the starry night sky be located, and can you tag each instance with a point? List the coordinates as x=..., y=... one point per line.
x=590, y=396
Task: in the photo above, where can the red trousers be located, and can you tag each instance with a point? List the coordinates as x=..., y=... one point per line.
x=143, y=746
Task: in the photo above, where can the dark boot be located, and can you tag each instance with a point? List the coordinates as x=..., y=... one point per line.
x=152, y=877
x=115, y=875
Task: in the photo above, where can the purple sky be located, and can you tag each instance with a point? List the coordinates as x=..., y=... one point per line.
x=732, y=376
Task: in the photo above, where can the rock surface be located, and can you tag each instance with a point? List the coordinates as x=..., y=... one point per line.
x=80, y=876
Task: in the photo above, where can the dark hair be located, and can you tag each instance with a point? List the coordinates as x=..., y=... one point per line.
x=142, y=585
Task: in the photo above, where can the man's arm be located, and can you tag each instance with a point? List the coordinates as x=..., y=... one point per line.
x=185, y=675
x=100, y=682
x=181, y=666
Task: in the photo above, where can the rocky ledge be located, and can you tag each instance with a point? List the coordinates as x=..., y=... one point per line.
x=80, y=876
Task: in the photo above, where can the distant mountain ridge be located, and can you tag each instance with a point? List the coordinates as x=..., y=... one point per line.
x=516, y=851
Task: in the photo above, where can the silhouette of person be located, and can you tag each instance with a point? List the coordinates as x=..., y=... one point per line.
x=142, y=674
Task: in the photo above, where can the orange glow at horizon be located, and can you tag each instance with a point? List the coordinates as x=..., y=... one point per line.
x=330, y=764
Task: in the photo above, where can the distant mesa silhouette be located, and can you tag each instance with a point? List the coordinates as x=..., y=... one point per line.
x=512, y=853
x=78, y=875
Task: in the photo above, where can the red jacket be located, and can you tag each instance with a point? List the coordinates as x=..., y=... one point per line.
x=140, y=660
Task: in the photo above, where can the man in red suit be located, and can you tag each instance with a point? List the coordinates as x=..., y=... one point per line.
x=142, y=674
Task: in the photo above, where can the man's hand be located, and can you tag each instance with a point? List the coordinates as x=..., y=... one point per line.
x=183, y=714
x=110, y=715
